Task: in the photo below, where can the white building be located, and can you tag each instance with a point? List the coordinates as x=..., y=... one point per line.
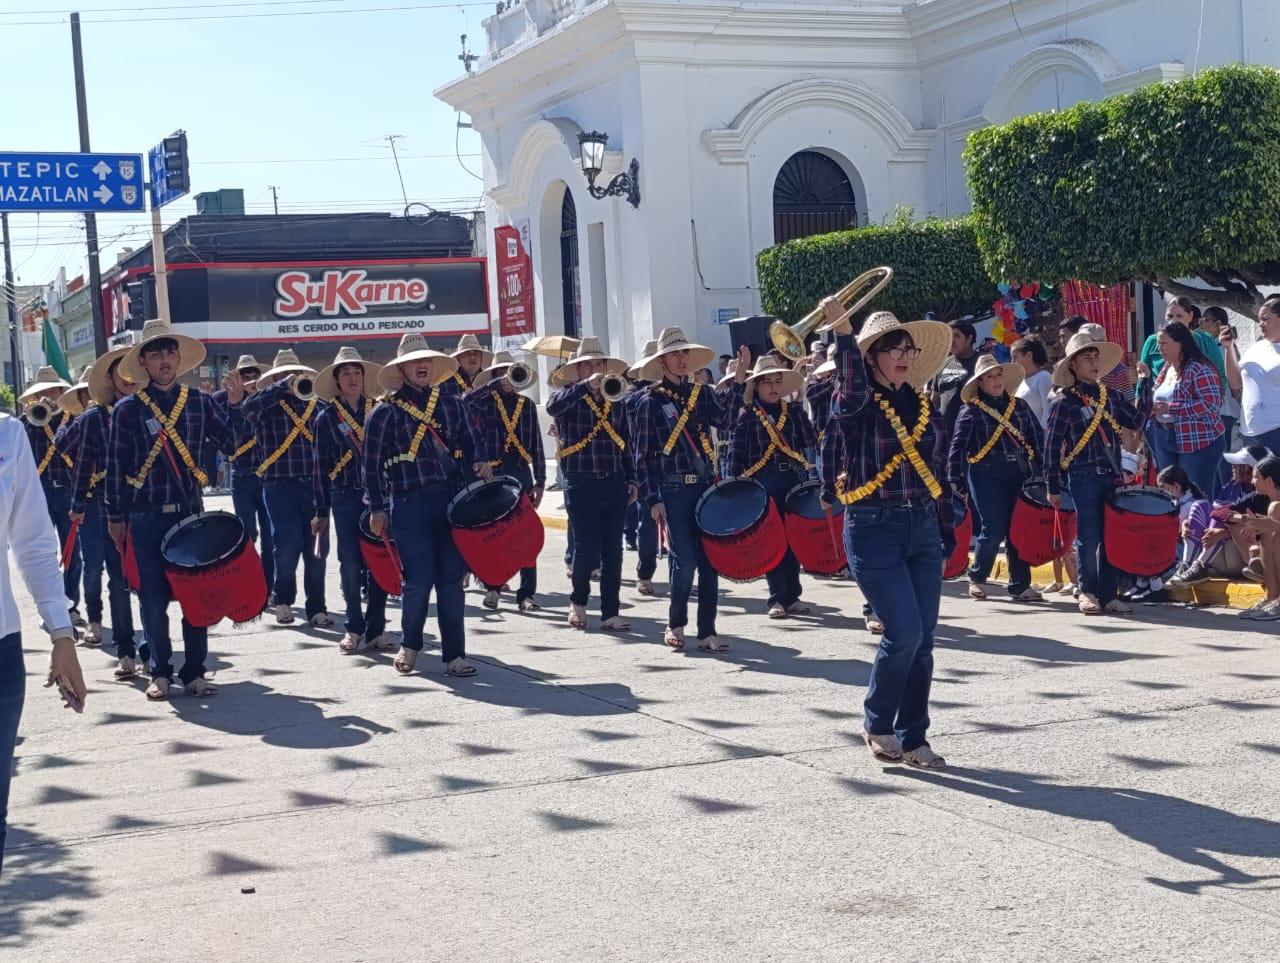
x=756, y=120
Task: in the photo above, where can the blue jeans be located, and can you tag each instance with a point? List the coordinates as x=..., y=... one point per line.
x=13, y=684
x=348, y=505
x=1228, y=444
x=430, y=560
x=251, y=508
x=784, y=578
x=100, y=552
x=631, y=527
x=291, y=507
x=994, y=486
x=685, y=557
x=598, y=508
x=148, y=529
x=1089, y=491
x=1201, y=466
x=58, y=499
x=646, y=543
x=895, y=555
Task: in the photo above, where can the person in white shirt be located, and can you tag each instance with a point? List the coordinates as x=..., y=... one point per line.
x=1030, y=353
x=1256, y=376
x=29, y=538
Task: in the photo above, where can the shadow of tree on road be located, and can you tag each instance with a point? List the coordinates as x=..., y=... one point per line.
x=39, y=870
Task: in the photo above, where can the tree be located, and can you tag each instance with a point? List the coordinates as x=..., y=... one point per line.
x=1171, y=181
x=6, y=399
x=937, y=267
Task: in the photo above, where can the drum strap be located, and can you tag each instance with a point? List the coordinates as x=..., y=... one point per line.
x=776, y=441
x=245, y=448
x=50, y=452
x=681, y=426
x=94, y=481
x=299, y=428
x=461, y=381
x=908, y=453
x=602, y=424
x=168, y=429
x=355, y=437
x=425, y=420
x=1100, y=413
x=1004, y=423
x=510, y=422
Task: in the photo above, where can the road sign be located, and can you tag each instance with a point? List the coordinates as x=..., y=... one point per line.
x=71, y=182
x=167, y=162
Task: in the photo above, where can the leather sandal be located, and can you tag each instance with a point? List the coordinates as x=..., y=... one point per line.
x=529, y=605
x=616, y=624
x=976, y=591
x=674, y=638
x=158, y=691
x=577, y=616
x=406, y=659
x=712, y=644
x=200, y=687
x=922, y=757
x=884, y=748
x=460, y=667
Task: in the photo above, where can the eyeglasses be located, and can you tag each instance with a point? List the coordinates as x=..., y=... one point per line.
x=899, y=354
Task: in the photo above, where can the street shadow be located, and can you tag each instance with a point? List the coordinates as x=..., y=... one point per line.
x=278, y=718
x=1034, y=648
x=762, y=657
x=516, y=686
x=1193, y=833
x=39, y=870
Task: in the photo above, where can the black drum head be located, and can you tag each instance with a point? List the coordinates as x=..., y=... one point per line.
x=805, y=500
x=202, y=539
x=484, y=502
x=1038, y=493
x=731, y=506
x=1143, y=501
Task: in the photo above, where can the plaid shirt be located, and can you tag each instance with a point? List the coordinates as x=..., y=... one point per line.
x=751, y=439
x=203, y=429
x=243, y=431
x=389, y=433
x=457, y=384
x=271, y=426
x=91, y=431
x=818, y=394
x=1195, y=407
x=335, y=440
x=657, y=418
x=974, y=428
x=860, y=441
x=483, y=403
x=57, y=473
x=574, y=421
x=1068, y=419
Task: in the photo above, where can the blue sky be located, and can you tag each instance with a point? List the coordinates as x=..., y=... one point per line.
x=248, y=91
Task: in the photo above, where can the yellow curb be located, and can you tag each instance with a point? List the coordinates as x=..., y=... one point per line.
x=554, y=521
x=1219, y=591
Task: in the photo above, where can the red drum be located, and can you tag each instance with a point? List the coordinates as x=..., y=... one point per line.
x=214, y=570
x=496, y=529
x=129, y=562
x=381, y=558
x=958, y=563
x=1038, y=531
x=741, y=531
x=1140, y=530
x=814, y=534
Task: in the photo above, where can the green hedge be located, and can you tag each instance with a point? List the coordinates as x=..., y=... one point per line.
x=1169, y=181
x=937, y=267
x=6, y=399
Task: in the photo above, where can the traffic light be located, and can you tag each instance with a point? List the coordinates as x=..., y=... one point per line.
x=141, y=294
x=177, y=172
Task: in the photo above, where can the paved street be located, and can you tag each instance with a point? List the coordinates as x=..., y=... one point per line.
x=1112, y=794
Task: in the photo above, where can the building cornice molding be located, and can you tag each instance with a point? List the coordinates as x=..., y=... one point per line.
x=542, y=137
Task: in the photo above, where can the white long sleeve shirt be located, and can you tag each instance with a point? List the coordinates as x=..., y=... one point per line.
x=27, y=535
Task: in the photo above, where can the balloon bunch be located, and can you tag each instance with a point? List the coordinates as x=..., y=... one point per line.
x=1017, y=304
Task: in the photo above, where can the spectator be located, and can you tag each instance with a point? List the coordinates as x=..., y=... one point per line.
x=1186, y=427
x=1184, y=311
x=1256, y=376
x=703, y=377
x=722, y=365
x=1265, y=529
x=1030, y=353
x=1194, y=515
x=1225, y=548
x=955, y=373
x=1214, y=321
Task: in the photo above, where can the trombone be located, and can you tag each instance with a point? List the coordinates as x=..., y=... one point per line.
x=854, y=296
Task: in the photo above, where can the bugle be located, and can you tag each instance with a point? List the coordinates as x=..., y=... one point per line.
x=40, y=413
x=519, y=376
x=854, y=296
x=304, y=387
x=613, y=387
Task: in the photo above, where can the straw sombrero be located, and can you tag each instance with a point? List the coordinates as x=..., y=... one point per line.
x=414, y=347
x=669, y=341
x=635, y=371
x=101, y=389
x=730, y=373
x=246, y=362
x=70, y=400
x=589, y=350
x=469, y=342
x=190, y=351
x=1109, y=354
x=767, y=364
x=1013, y=376
x=46, y=380
x=285, y=365
x=326, y=383
x=932, y=338
x=501, y=361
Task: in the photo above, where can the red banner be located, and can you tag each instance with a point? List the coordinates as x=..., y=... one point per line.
x=1109, y=307
x=515, y=284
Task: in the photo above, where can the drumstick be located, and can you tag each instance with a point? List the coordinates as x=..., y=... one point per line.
x=662, y=534
x=69, y=545
x=831, y=530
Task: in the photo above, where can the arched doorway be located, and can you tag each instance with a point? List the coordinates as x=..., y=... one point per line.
x=812, y=195
x=570, y=275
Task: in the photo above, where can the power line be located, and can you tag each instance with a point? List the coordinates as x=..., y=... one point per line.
x=324, y=160
x=249, y=16
x=143, y=8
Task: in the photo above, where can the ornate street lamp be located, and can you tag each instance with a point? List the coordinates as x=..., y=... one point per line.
x=627, y=184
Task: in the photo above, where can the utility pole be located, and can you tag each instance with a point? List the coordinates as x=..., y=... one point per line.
x=158, y=260
x=391, y=139
x=90, y=219
x=11, y=300
x=275, y=200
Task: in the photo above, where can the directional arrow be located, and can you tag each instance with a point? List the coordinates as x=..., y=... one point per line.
x=102, y=170
x=104, y=193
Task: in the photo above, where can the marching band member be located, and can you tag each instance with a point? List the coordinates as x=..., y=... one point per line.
x=674, y=447
x=769, y=443
x=883, y=457
x=411, y=475
x=284, y=425
x=72, y=403
x=338, y=482
x=471, y=358
x=54, y=466
x=645, y=528
x=158, y=438
x=246, y=487
x=107, y=386
x=510, y=424
x=818, y=390
x=599, y=474
x=1082, y=454
x=995, y=450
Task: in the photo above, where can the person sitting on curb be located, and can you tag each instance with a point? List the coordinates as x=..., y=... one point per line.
x=1265, y=529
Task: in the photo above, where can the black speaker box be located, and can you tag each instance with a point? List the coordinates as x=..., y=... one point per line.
x=753, y=332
